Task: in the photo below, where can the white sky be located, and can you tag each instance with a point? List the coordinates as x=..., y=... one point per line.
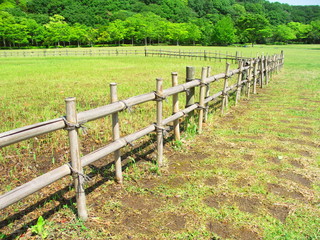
x=298, y=2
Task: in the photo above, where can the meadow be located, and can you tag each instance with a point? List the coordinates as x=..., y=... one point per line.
x=252, y=174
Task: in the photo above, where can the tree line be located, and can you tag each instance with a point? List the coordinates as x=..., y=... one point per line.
x=26, y=23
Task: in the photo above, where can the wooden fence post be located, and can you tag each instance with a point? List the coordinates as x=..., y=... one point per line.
x=175, y=107
x=76, y=167
x=255, y=68
x=225, y=99
x=207, y=95
x=159, y=127
x=282, y=59
x=190, y=93
x=116, y=134
x=266, y=69
x=261, y=72
x=238, y=95
x=202, y=96
x=249, y=78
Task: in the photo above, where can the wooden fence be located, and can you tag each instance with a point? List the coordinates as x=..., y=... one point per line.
x=250, y=74
x=202, y=55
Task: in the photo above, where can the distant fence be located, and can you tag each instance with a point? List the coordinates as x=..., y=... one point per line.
x=202, y=55
x=250, y=74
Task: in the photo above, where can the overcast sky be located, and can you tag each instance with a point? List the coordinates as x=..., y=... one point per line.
x=298, y=2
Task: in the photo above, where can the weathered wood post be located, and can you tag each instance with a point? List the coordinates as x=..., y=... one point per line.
x=225, y=99
x=255, y=69
x=76, y=167
x=190, y=76
x=207, y=95
x=202, y=96
x=237, y=56
x=266, y=68
x=159, y=127
x=116, y=134
x=275, y=64
x=238, y=95
x=175, y=107
x=249, y=78
x=282, y=59
x=261, y=71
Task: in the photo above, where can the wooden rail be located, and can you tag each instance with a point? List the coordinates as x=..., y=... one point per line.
x=254, y=72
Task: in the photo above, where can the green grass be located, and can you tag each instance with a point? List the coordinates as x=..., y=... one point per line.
x=253, y=173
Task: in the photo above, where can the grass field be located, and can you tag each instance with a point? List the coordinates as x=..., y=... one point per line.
x=252, y=174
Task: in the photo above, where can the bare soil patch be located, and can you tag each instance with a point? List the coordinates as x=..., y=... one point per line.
x=216, y=201
x=280, y=212
x=296, y=164
x=227, y=230
x=212, y=181
x=284, y=192
x=295, y=177
x=175, y=222
x=249, y=205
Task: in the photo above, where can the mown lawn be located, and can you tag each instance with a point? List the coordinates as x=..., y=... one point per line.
x=252, y=174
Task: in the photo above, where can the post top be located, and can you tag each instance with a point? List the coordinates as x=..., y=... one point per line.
x=70, y=99
x=174, y=73
x=113, y=84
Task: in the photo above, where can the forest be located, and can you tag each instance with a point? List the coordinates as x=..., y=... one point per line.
x=72, y=23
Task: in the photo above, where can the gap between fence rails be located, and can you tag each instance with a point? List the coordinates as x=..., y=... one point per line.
x=252, y=73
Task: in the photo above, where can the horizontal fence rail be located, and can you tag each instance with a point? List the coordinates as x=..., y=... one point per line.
x=250, y=73
x=69, y=52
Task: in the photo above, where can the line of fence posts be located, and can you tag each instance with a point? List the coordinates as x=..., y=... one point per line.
x=205, y=55
x=246, y=75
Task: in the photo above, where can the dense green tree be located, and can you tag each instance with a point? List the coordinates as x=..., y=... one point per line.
x=36, y=32
x=178, y=32
x=314, y=34
x=194, y=33
x=52, y=22
x=57, y=30
x=301, y=30
x=253, y=28
x=78, y=34
x=224, y=32
x=283, y=33
x=117, y=31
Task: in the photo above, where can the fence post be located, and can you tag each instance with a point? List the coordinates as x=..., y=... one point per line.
x=238, y=95
x=282, y=59
x=77, y=171
x=266, y=69
x=175, y=107
x=255, y=68
x=261, y=72
x=116, y=134
x=249, y=77
x=225, y=99
x=207, y=95
x=159, y=127
x=190, y=94
x=202, y=96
